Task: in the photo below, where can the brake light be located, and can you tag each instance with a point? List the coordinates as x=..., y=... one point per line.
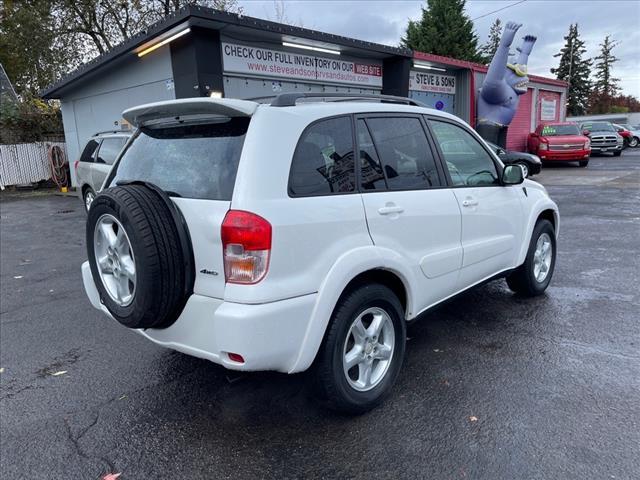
x=246, y=246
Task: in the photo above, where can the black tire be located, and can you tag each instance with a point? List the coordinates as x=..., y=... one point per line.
x=633, y=143
x=522, y=280
x=618, y=153
x=583, y=163
x=161, y=250
x=88, y=193
x=331, y=382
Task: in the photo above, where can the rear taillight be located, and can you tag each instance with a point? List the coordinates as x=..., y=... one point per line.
x=543, y=146
x=75, y=164
x=246, y=246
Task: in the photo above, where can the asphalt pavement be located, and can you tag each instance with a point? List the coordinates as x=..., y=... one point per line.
x=494, y=386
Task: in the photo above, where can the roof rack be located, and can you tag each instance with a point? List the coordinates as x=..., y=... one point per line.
x=290, y=99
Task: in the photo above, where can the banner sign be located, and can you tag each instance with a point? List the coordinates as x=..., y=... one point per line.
x=432, y=82
x=547, y=109
x=274, y=63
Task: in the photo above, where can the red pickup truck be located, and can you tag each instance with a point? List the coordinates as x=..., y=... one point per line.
x=560, y=141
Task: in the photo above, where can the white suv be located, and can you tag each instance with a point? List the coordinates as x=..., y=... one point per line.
x=307, y=232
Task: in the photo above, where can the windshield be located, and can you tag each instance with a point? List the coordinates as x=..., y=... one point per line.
x=598, y=127
x=186, y=160
x=554, y=130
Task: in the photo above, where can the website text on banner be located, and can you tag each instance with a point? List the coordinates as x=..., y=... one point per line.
x=275, y=63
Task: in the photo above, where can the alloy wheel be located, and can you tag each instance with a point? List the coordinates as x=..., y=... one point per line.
x=542, y=257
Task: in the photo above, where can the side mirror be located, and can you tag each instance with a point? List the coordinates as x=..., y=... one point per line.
x=586, y=133
x=512, y=175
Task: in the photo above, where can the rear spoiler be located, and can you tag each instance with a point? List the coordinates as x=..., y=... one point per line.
x=226, y=107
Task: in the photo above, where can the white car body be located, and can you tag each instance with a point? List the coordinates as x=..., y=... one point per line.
x=437, y=242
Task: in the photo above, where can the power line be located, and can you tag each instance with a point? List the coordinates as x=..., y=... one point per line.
x=498, y=10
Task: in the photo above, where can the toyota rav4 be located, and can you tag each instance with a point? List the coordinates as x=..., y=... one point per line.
x=307, y=232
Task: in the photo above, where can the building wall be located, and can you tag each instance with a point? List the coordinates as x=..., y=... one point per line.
x=98, y=104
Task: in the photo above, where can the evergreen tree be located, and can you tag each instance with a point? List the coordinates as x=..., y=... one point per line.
x=605, y=87
x=444, y=29
x=574, y=70
x=488, y=50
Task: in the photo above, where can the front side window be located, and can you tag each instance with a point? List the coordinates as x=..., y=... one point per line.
x=469, y=164
x=404, y=151
x=323, y=162
x=89, y=150
x=192, y=160
x=109, y=149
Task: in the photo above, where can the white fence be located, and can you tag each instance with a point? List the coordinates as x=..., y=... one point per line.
x=25, y=163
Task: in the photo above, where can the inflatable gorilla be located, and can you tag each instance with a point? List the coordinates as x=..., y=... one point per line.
x=502, y=87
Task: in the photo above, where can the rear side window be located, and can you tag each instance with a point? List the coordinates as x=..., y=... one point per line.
x=186, y=160
x=109, y=149
x=89, y=150
x=323, y=162
x=407, y=159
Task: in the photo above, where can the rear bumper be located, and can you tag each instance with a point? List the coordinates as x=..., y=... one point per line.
x=564, y=156
x=269, y=336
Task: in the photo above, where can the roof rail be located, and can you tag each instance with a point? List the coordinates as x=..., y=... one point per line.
x=111, y=131
x=290, y=99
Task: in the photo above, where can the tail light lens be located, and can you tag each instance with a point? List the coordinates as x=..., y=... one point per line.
x=246, y=246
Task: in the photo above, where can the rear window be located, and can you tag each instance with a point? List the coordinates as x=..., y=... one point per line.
x=187, y=160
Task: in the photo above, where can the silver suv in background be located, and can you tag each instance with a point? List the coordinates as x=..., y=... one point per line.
x=95, y=162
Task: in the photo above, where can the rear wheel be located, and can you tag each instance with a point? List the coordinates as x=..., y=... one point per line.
x=88, y=197
x=584, y=163
x=363, y=351
x=633, y=143
x=525, y=168
x=533, y=276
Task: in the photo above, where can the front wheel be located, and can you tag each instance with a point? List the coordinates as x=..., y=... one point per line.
x=533, y=276
x=525, y=169
x=363, y=351
x=584, y=163
x=618, y=153
x=633, y=143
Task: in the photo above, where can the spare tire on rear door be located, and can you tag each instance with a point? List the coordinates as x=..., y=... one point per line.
x=140, y=255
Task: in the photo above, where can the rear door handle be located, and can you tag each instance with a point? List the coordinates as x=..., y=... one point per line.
x=390, y=209
x=469, y=202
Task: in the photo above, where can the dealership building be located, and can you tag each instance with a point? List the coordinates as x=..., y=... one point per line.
x=203, y=52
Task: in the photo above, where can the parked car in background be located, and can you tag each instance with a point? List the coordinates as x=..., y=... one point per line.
x=625, y=133
x=530, y=163
x=561, y=142
x=200, y=245
x=95, y=163
x=634, y=130
x=604, y=137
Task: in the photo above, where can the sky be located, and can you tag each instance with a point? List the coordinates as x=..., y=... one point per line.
x=385, y=22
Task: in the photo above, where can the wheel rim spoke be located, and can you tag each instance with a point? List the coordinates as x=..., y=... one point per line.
x=115, y=260
x=542, y=257
x=368, y=349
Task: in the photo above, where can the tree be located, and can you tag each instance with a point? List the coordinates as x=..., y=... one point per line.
x=30, y=50
x=488, y=50
x=443, y=29
x=605, y=86
x=574, y=70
